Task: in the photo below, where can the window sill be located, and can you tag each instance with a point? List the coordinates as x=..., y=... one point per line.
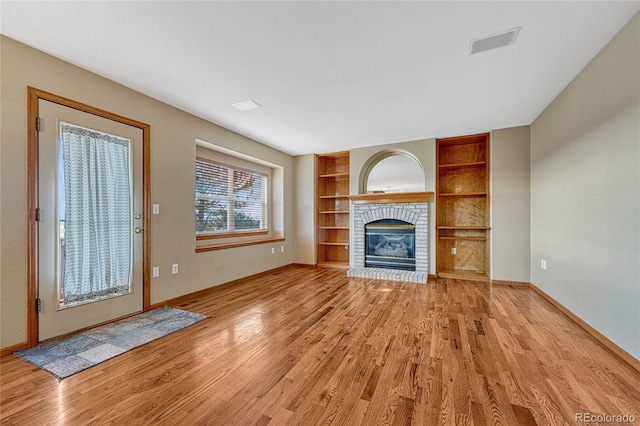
x=234, y=245
x=230, y=235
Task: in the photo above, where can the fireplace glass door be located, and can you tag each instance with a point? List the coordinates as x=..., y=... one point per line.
x=390, y=244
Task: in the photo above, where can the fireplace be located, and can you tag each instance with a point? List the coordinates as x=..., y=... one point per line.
x=390, y=244
x=399, y=219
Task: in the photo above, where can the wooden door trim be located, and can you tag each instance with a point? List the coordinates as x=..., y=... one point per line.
x=33, y=98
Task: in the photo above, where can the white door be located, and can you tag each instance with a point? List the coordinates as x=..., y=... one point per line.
x=89, y=229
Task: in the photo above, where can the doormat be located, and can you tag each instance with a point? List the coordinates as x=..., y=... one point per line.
x=73, y=354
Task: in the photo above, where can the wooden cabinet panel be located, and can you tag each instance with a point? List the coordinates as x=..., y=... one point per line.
x=471, y=150
x=462, y=180
x=333, y=185
x=333, y=164
x=333, y=220
x=333, y=256
x=333, y=204
x=462, y=211
x=334, y=235
x=469, y=255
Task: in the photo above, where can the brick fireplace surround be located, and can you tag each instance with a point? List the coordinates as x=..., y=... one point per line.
x=412, y=207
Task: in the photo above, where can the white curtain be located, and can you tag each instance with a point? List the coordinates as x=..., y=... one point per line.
x=97, y=215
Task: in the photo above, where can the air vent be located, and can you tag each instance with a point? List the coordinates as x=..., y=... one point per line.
x=246, y=105
x=504, y=38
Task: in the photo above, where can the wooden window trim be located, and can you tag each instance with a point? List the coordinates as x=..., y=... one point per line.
x=202, y=249
x=213, y=236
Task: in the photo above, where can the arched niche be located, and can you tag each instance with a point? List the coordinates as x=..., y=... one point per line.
x=392, y=171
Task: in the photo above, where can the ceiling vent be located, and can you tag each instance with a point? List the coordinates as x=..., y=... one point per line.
x=247, y=105
x=504, y=38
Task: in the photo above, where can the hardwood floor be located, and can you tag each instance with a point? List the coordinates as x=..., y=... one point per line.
x=311, y=346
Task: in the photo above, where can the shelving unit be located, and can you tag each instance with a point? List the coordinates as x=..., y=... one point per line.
x=332, y=192
x=462, y=207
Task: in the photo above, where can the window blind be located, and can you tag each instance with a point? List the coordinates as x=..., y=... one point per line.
x=229, y=199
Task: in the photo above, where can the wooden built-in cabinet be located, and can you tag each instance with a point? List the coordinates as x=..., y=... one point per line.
x=332, y=192
x=462, y=207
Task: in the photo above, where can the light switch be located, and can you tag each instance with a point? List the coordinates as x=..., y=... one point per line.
x=156, y=209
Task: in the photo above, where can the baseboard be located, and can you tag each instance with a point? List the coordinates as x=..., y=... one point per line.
x=10, y=349
x=511, y=283
x=617, y=350
x=431, y=277
x=196, y=294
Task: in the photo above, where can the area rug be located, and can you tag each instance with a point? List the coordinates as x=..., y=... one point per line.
x=73, y=354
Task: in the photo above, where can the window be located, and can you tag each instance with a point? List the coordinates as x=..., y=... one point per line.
x=229, y=200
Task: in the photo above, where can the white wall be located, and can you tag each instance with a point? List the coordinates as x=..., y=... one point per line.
x=585, y=193
x=509, y=197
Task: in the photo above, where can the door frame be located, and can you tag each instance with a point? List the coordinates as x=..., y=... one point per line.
x=33, y=98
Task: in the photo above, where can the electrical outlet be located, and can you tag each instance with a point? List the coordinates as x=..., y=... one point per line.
x=281, y=249
x=453, y=250
x=156, y=209
x=174, y=268
x=155, y=272
x=273, y=250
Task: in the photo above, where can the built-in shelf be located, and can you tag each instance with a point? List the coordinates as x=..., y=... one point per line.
x=462, y=211
x=336, y=265
x=447, y=237
x=462, y=194
x=462, y=165
x=334, y=175
x=483, y=228
x=332, y=201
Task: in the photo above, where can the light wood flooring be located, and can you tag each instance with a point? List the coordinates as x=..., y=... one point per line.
x=311, y=346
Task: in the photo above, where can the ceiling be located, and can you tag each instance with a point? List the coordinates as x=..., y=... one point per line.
x=330, y=75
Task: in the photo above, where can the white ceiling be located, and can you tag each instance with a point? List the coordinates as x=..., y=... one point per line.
x=330, y=75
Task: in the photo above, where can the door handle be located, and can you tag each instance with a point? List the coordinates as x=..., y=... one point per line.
x=138, y=230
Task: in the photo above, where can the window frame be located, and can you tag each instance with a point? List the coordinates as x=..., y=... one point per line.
x=264, y=204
